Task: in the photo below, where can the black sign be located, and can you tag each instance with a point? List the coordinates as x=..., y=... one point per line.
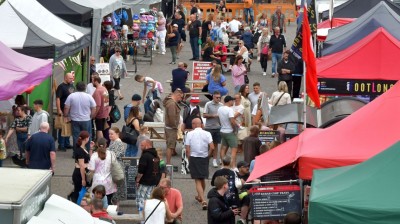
x=274, y=202
x=268, y=136
x=131, y=170
x=353, y=86
x=284, y=173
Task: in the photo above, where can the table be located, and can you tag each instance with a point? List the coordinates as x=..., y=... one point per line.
x=156, y=129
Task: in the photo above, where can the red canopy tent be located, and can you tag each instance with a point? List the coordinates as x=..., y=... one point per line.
x=360, y=136
x=336, y=22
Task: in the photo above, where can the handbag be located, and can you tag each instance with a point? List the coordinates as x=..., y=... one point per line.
x=58, y=121
x=117, y=173
x=129, y=134
x=242, y=133
x=66, y=129
x=115, y=114
x=246, y=79
x=264, y=49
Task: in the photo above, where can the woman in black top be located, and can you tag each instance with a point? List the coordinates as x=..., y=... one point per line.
x=208, y=50
x=111, y=103
x=206, y=27
x=82, y=157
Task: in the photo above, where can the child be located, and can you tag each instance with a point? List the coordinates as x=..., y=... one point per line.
x=150, y=91
x=163, y=167
x=99, y=192
x=142, y=136
x=3, y=151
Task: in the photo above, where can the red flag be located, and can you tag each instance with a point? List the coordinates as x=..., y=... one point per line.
x=309, y=59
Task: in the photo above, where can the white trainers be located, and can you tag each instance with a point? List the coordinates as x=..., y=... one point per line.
x=264, y=73
x=215, y=165
x=273, y=75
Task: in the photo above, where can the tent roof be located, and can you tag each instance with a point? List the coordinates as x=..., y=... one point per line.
x=354, y=139
x=19, y=72
x=363, y=193
x=336, y=22
x=370, y=58
x=69, y=11
x=356, y=8
x=36, y=32
x=380, y=16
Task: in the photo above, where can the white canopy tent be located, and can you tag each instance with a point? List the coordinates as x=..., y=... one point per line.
x=136, y=5
x=100, y=10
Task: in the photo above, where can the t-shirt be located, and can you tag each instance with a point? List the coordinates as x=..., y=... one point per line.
x=207, y=54
x=234, y=25
x=174, y=200
x=180, y=23
x=240, y=109
x=225, y=113
x=63, y=91
x=198, y=140
x=212, y=108
x=102, y=100
x=253, y=97
x=248, y=3
x=40, y=145
x=80, y=153
x=90, y=89
x=194, y=28
x=231, y=195
x=80, y=105
x=179, y=77
x=204, y=28
x=173, y=41
x=161, y=24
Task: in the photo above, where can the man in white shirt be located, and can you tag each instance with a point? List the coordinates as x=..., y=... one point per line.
x=234, y=26
x=228, y=125
x=253, y=96
x=90, y=87
x=199, y=146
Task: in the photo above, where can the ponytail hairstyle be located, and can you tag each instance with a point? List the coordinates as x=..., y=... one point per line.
x=102, y=148
x=83, y=135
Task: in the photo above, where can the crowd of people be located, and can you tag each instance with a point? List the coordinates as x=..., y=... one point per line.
x=230, y=119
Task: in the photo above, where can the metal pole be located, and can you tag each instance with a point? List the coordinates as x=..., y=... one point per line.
x=273, y=182
x=304, y=96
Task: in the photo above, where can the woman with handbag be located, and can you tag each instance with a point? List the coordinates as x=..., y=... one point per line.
x=82, y=157
x=133, y=121
x=238, y=73
x=118, y=148
x=100, y=165
x=245, y=102
x=281, y=96
x=263, y=50
x=20, y=125
x=156, y=210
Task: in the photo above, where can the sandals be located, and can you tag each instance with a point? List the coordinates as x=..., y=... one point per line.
x=204, y=205
x=197, y=199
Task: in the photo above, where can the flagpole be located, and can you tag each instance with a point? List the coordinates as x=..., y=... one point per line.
x=304, y=96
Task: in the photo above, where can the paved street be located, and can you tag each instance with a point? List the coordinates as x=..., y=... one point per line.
x=160, y=70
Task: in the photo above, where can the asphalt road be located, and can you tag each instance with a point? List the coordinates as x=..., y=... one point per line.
x=160, y=70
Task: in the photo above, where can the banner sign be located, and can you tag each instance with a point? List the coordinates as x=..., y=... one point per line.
x=274, y=202
x=268, y=136
x=353, y=86
x=199, y=72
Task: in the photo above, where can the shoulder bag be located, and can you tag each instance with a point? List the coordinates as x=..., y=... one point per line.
x=129, y=134
x=117, y=173
x=115, y=114
x=152, y=212
x=279, y=99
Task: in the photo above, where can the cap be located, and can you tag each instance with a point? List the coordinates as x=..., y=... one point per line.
x=228, y=98
x=142, y=10
x=175, y=25
x=107, y=20
x=194, y=99
x=136, y=97
x=109, y=28
x=242, y=164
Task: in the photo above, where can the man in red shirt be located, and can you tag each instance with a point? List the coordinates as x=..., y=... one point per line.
x=98, y=212
x=101, y=98
x=174, y=199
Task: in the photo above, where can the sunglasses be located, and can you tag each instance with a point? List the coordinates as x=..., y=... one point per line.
x=118, y=51
x=218, y=97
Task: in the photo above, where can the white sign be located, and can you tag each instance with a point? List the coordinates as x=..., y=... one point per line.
x=103, y=69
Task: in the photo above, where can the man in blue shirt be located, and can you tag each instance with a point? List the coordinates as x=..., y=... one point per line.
x=179, y=78
x=41, y=150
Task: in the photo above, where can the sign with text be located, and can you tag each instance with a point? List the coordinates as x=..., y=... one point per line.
x=354, y=86
x=199, y=72
x=103, y=68
x=131, y=171
x=274, y=202
x=268, y=136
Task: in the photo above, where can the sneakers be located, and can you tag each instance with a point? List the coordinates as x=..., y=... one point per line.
x=273, y=75
x=264, y=73
x=215, y=164
x=172, y=63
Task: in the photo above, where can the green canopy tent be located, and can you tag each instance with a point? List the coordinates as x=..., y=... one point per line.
x=363, y=193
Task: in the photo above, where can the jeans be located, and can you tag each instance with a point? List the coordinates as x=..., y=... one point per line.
x=21, y=141
x=77, y=127
x=147, y=104
x=173, y=52
x=247, y=12
x=275, y=58
x=63, y=142
x=194, y=43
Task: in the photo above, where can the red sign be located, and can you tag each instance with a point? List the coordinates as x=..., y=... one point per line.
x=199, y=72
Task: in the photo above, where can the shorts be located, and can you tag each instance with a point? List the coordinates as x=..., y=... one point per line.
x=170, y=136
x=198, y=167
x=215, y=134
x=229, y=139
x=100, y=124
x=116, y=83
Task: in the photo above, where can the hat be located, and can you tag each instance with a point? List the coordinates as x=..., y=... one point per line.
x=175, y=25
x=142, y=10
x=109, y=28
x=125, y=27
x=242, y=163
x=136, y=97
x=107, y=21
x=195, y=99
x=135, y=17
x=228, y=98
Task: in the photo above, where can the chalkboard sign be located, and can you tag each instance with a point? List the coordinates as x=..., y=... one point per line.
x=284, y=173
x=131, y=170
x=268, y=136
x=274, y=202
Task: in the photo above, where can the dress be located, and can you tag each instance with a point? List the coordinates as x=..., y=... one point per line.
x=119, y=150
x=102, y=172
x=247, y=111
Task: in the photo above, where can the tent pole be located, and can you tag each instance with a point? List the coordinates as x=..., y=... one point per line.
x=50, y=107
